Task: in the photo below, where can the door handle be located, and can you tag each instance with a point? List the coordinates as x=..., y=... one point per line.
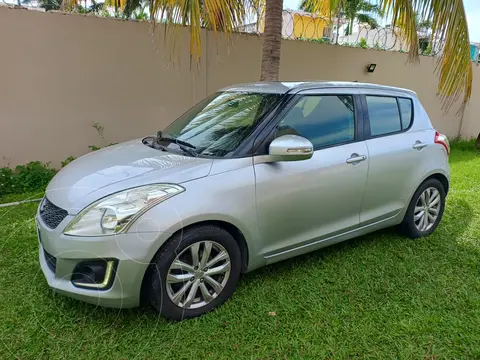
x=419, y=145
x=355, y=158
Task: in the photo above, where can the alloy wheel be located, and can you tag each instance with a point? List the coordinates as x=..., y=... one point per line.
x=427, y=209
x=198, y=274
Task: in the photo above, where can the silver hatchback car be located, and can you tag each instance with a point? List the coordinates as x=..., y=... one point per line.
x=253, y=174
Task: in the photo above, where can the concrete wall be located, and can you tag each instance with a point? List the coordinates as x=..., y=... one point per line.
x=60, y=73
x=471, y=117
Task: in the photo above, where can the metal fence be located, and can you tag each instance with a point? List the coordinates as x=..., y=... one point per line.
x=298, y=25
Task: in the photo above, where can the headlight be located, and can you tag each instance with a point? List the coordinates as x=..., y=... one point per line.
x=115, y=213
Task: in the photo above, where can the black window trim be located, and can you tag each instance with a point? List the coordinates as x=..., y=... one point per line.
x=410, y=123
x=253, y=143
x=367, y=129
x=264, y=139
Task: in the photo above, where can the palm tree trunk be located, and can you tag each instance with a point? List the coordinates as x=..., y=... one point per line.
x=272, y=40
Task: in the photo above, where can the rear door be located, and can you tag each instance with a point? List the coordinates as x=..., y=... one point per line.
x=396, y=153
x=302, y=202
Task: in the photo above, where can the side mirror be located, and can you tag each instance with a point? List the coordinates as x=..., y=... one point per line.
x=290, y=148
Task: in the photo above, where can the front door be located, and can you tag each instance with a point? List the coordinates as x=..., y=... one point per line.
x=301, y=202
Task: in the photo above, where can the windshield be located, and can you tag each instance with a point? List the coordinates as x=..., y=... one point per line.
x=217, y=125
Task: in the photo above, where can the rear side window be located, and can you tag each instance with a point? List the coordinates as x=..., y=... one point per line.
x=406, y=112
x=384, y=115
x=325, y=120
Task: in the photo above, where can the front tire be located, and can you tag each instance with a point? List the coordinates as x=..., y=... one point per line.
x=196, y=271
x=425, y=210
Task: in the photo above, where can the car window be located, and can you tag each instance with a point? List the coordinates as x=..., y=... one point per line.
x=325, y=120
x=405, y=111
x=384, y=115
x=217, y=125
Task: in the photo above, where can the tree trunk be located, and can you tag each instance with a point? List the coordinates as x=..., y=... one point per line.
x=477, y=142
x=272, y=40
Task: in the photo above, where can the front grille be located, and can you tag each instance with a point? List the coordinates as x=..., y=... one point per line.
x=50, y=260
x=51, y=214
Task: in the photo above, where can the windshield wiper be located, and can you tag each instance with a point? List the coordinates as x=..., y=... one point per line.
x=183, y=145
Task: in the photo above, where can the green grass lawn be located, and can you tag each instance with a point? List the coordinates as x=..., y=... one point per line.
x=380, y=296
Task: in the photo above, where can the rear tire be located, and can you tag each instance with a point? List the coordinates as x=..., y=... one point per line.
x=425, y=210
x=185, y=285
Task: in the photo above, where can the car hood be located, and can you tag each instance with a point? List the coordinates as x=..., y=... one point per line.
x=119, y=167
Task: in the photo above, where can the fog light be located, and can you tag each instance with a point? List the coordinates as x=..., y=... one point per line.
x=94, y=274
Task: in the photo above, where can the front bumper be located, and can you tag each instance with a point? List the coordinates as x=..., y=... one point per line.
x=132, y=252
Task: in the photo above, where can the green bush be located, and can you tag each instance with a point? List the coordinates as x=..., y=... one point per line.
x=33, y=176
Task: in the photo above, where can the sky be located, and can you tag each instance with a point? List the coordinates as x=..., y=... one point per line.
x=472, y=7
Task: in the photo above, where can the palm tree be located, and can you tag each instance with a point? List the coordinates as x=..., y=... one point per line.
x=272, y=39
x=361, y=10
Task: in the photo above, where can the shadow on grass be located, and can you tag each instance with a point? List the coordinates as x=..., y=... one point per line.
x=456, y=219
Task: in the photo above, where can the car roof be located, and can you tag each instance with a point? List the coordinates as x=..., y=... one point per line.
x=282, y=87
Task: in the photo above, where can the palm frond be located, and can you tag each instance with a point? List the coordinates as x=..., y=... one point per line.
x=321, y=7
x=366, y=6
x=224, y=16
x=367, y=19
x=449, y=24
x=403, y=17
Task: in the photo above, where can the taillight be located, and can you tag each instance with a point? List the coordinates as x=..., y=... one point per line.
x=442, y=140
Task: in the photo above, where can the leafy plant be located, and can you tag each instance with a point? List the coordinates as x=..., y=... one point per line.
x=33, y=176
x=428, y=50
x=67, y=161
x=363, y=43
x=94, y=147
x=99, y=127
x=320, y=41
x=141, y=15
x=49, y=4
x=7, y=183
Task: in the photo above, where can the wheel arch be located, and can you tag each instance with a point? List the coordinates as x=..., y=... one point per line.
x=229, y=227
x=440, y=177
